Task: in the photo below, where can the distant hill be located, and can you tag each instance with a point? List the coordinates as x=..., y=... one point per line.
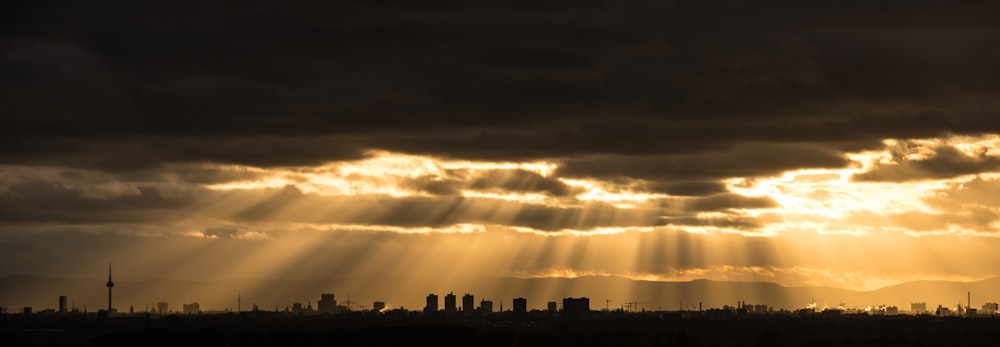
x=42, y=292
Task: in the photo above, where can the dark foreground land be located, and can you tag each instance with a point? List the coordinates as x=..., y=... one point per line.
x=648, y=330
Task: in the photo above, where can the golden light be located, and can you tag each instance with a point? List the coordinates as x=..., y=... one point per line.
x=825, y=228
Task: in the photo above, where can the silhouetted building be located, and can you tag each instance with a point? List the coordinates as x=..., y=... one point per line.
x=192, y=308
x=553, y=306
x=761, y=309
x=468, y=304
x=62, y=304
x=990, y=308
x=450, y=305
x=520, y=306
x=891, y=310
x=576, y=307
x=918, y=307
x=378, y=306
x=486, y=307
x=162, y=308
x=432, y=303
x=326, y=303
x=26, y=310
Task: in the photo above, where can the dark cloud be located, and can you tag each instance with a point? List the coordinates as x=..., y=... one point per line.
x=728, y=201
x=734, y=222
x=129, y=85
x=747, y=160
x=500, y=180
x=125, y=152
x=41, y=202
x=520, y=181
x=434, y=185
x=694, y=188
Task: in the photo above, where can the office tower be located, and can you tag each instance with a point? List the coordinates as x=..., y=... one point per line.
x=520, y=306
x=576, y=307
x=450, y=304
x=468, y=304
x=326, y=303
x=432, y=303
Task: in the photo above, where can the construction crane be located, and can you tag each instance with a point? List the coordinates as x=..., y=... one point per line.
x=632, y=306
x=349, y=303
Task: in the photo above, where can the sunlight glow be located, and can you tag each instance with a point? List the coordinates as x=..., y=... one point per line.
x=811, y=208
x=598, y=191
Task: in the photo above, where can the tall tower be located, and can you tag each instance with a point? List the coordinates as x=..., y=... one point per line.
x=109, y=284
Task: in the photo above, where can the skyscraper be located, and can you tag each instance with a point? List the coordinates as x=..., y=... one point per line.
x=432, y=303
x=468, y=304
x=62, y=304
x=449, y=304
x=326, y=303
x=486, y=307
x=576, y=307
x=520, y=306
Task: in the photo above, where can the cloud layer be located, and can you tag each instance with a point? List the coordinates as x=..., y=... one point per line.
x=550, y=120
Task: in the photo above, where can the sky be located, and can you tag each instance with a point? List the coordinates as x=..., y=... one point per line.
x=849, y=144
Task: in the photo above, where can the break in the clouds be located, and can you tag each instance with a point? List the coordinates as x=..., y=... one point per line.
x=547, y=121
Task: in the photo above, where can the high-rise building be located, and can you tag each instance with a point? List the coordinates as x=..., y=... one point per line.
x=520, y=306
x=468, y=304
x=378, y=306
x=486, y=307
x=576, y=307
x=990, y=308
x=62, y=304
x=449, y=304
x=192, y=308
x=432, y=303
x=918, y=307
x=326, y=303
x=553, y=306
x=162, y=308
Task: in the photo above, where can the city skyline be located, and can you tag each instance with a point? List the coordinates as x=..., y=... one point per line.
x=699, y=295
x=413, y=145
x=569, y=307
